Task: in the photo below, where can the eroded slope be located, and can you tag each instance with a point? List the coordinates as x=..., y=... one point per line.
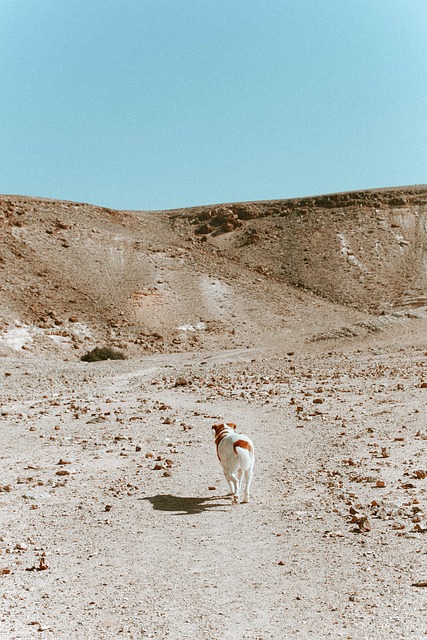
x=365, y=249
x=232, y=276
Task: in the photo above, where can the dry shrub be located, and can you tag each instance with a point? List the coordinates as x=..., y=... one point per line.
x=103, y=353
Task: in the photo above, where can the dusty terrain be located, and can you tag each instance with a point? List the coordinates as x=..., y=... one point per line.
x=302, y=321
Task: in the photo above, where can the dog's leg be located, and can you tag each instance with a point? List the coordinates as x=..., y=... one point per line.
x=248, y=480
x=239, y=480
x=230, y=483
x=236, y=481
x=234, y=486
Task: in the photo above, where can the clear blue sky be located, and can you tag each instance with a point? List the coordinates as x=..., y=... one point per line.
x=157, y=104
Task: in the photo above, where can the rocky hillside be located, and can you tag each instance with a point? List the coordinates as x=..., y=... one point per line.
x=73, y=275
x=366, y=249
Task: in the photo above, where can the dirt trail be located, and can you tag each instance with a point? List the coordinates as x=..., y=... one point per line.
x=135, y=552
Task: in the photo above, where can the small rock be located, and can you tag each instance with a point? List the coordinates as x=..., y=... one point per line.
x=181, y=382
x=364, y=524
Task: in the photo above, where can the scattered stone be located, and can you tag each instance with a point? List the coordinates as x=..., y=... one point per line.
x=419, y=529
x=181, y=382
x=7, y=488
x=363, y=524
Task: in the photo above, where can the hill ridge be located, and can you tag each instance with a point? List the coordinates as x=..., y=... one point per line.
x=233, y=275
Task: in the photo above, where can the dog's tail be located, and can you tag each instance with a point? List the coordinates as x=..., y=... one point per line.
x=244, y=449
x=243, y=444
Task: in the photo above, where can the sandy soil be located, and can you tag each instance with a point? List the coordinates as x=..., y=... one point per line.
x=113, y=514
x=302, y=321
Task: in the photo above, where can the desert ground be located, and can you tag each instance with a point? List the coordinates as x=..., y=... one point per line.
x=304, y=322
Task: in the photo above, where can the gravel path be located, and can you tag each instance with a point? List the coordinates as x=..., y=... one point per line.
x=97, y=543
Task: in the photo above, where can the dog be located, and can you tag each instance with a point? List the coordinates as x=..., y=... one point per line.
x=236, y=454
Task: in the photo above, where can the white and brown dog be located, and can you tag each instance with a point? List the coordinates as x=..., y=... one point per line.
x=237, y=456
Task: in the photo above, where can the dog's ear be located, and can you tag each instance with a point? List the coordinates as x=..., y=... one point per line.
x=232, y=425
x=218, y=427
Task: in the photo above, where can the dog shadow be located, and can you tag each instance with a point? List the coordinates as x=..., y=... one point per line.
x=181, y=506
